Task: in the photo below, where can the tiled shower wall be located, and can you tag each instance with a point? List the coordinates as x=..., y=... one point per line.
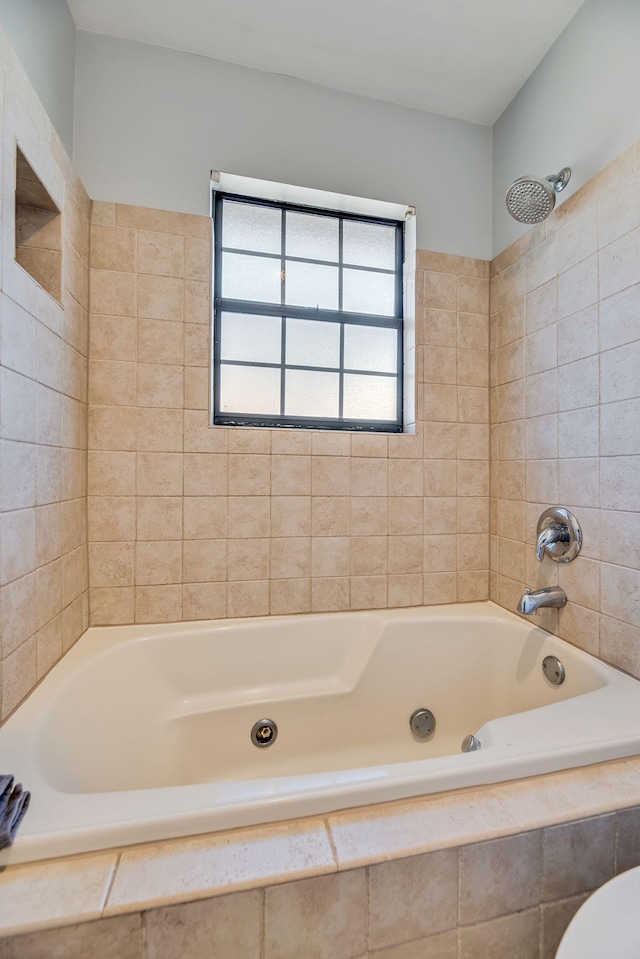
x=565, y=392
x=43, y=377
x=192, y=522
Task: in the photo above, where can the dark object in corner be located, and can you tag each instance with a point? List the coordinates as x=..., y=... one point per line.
x=14, y=802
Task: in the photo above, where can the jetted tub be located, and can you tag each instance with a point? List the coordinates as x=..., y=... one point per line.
x=144, y=732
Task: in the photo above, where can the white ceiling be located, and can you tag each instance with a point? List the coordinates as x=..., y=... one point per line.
x=462, y=58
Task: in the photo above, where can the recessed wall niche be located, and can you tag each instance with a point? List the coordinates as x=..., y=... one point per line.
x=38, y=229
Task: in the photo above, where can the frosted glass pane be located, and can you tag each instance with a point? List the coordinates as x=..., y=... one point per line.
x=365, y=292
x=256, y=339
x=370, y=348
x=247, y=227
x=311, y=394
x=315, y=237
x=311, y=343
x=369, y=244
x=370, y=397
x=249, y=389
x=250, y=278
x=308, y=284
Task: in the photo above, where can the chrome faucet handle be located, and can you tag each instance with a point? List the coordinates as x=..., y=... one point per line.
x=552, y=534
x=559, y=535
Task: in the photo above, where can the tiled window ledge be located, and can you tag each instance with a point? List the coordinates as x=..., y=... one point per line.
x=65, y=892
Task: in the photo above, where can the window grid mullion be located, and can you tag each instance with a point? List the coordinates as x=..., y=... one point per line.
x=283, y=293
x=259, y=254
x=340, y=308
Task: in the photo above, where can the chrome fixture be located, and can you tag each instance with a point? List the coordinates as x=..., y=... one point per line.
x=470, y=744
x=559, y=535
x=423, y=723
x=264, y=733
x=530, y=199
x=553, y=670
x=552, y=596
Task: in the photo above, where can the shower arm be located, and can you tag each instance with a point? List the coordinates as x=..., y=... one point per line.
x=559, y=180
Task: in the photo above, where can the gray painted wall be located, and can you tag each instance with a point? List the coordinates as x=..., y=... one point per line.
x=580, y=108
x=151, y=123
x=43, y=34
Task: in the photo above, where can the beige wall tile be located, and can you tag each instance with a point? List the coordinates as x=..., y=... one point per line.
x=500, y=877
x=160, y=385
x=290, y=475
x=104, y=939
x=229, y=925
x=158, y=518
x=248, y=559
x=290, y=558
x=204, y=601
x=113, y=293
x=248, y=599
x=205, y=560
x=159, y=474
x=516, y=936
x=196, y=344
x=330, y=593
x=18, y=606
x=413, y=898
x=289, y=596
x=160, y=341
x=113, y=248
x=197, y=258
x=113, y=337
x=160, y=430
x=577, y=857
x=19, y=675
x=158, y=604
x=440, y=291
x=161, y=254
x=248, y=516
x=200, y=437
x=555, y=919
x=111, y=564
x=158, y=563
x=205, y=517
x=160, y=297
x=112, y=606
x=324, y=917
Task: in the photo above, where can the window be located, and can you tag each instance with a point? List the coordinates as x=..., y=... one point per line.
x=307, y=317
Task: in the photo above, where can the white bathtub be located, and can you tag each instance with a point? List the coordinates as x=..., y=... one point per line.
x=143, y=732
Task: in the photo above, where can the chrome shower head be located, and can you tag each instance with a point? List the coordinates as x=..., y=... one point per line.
x=530, y=199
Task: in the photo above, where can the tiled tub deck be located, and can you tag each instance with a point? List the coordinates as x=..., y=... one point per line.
x=485, y=872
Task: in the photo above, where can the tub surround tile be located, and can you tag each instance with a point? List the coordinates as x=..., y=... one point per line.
x=555, y=917
x=119, y=938
x=150, y=320
x=366, y=836
x=43, y=394
x=516, y=936
x=576, y=324
x=500, y=877
x=230, y=927
x=496, y=861
x=60, y=892
x=442, y=946
x=323, y=917
x=413, y=898
x=588, y=791
x=198, y=868
x=578, y=857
